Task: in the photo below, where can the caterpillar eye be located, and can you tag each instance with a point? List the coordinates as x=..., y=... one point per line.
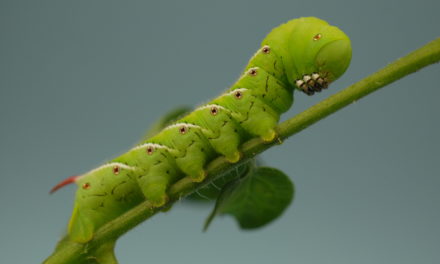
x=86, y=186
x=317, y=37
x=214, y=110
x=150, y=150
x=238, y=95
x=183, y=130
x=116, y=170
x=266, y=49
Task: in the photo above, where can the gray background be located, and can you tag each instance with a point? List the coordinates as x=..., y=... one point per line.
x=80, y=81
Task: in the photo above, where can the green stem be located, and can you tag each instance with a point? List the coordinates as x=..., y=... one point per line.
x=68, y=252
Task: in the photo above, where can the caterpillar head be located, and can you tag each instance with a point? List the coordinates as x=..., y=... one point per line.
x=320, y=54
x=313, y=52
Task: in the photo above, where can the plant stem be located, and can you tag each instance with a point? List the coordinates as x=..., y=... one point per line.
x=69, y=252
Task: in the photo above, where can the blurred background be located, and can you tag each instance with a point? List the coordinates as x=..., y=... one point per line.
x=81, y=81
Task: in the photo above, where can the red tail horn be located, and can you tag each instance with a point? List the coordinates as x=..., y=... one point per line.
x=63, y=183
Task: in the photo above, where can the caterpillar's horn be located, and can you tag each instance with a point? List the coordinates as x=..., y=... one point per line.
x=63, y=183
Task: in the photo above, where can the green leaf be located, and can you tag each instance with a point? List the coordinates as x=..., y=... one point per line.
x=256, y=199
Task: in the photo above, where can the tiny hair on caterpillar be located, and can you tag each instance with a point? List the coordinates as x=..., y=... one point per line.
x=304, y=54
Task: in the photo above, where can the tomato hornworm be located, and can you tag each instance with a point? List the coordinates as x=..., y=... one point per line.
x=304, y=54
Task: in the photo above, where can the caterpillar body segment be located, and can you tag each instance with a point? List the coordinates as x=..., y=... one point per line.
x=192, y=149
x=157, y=169
x=305, y=54
x=253, y=115
x=223, y=132
x=103, y=194
x=267, y=88
x=267, y=59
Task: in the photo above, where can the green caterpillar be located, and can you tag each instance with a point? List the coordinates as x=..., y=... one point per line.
x=305, y=54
